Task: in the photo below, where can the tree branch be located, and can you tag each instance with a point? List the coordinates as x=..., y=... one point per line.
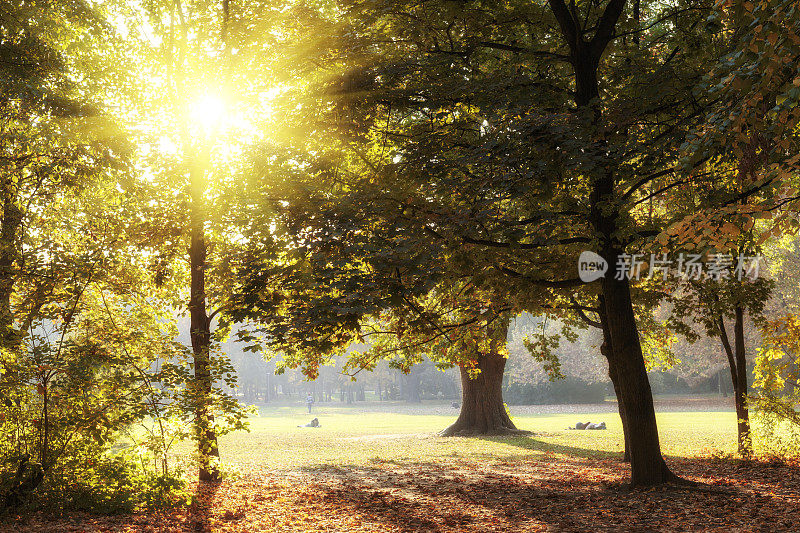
x=644, y=181
x=605, y=28
x=568, y=28
x=522, y=50
x=555, y=284
x=495, y=244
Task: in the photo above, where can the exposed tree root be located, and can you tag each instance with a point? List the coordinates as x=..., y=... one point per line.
x=457, y=430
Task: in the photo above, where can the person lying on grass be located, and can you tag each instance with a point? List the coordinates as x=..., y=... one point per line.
x=589, y=425
x=313, y=424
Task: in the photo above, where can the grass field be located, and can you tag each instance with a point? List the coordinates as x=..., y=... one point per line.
x=397, y=432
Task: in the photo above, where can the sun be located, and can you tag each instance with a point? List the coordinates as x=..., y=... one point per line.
x=208, y=112
x=226, y=125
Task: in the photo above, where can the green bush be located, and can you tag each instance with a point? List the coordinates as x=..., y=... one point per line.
x=95, y=482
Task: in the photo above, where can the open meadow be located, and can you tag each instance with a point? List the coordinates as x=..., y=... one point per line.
x=395, y=431
x=381, y=467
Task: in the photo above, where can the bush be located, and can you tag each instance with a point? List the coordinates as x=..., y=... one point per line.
x=567, y=390
x=96, y=482
x=69, y=407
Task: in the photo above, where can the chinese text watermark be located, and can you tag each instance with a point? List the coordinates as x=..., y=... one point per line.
x=716, y=267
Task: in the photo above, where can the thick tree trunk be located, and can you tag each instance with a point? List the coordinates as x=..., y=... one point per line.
x=207, y=448
x=483, y=411
x=627, y=362
x=605, y=349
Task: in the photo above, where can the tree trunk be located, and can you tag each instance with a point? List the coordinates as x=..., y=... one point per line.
x=737, y=364
x=45, y=451
x=207, y=448
x=411, y=385
x=9, y=253
x=626, y=455
x=627, y=362
x=483, y=411
x=745, y=440
x=626, y=359
x=605, y=349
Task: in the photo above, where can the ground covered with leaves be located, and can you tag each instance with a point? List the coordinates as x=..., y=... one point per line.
x=560, y=494
x=346, y=477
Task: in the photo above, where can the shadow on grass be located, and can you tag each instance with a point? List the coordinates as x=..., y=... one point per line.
x=534, y=444
x=679, y=464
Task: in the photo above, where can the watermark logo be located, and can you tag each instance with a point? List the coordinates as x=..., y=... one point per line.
x=717, y=267
x=591, y=267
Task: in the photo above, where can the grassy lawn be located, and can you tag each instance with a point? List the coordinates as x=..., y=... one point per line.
x=362, y=434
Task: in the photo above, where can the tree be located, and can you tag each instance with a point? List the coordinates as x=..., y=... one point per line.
x=729, y=293
x=455, y=326
x=509, y=188
x=482, y=408
x=202, y=69
x=56, y=139
x=748, y=138
x=60, y=150
x=776, y=375
x=775, y=383
x=499, y=141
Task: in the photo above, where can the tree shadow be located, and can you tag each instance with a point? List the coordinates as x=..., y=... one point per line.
x=575, y=496
x=681, y=465
x=530, y=442
x=198, y=519
x=438, y=497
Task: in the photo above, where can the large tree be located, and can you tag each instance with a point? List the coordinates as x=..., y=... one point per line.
x=507, y=138
x=498, y=141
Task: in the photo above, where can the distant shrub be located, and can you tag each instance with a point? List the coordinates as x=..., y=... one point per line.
x=567, y=390
x=667, y=383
